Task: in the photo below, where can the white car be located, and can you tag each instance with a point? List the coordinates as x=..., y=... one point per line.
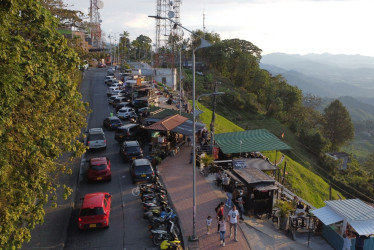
x=126, y=113
x=96, y=138
x=110, y=90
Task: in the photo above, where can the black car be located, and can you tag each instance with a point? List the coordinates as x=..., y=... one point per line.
x=141, y=170
x=131, y=150
x=129, y=132
x=112, y=123
x=121, y=105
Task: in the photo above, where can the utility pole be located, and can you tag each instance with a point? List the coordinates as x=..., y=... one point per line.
x=213, y=117
x=284, y=173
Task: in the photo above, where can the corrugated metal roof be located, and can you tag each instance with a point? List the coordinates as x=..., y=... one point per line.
x=352, y=209
x=168, y=123
x=158, y=112
x=186, y=128
x=327, y=215
x=363, y=227
x=249, y=141
x=253, y=176
x=260, y=164
x=357, y=213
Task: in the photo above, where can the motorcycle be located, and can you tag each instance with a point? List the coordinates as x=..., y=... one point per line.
x=170, y=234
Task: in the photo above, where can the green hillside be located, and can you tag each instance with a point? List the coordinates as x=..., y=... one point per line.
x=299, y=179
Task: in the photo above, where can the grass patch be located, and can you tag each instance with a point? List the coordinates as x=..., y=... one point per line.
x=301, y=178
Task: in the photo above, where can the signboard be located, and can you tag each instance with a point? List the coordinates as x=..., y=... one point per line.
x=239, y=164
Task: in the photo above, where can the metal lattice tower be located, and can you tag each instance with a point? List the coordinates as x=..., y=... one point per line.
x=164, y=28
x=95, y=28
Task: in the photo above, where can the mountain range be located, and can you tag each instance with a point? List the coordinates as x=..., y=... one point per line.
x=349, y=78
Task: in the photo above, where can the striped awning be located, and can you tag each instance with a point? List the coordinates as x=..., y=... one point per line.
x=249, y=141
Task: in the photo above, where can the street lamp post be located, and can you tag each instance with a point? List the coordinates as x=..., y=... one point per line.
x=203, y=44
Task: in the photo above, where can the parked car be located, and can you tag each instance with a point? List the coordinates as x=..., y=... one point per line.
x=111, y=90
x=99, y=169
x=131, y=150
x=96, y=138
x=129, y=132
x=111, y=99
x=101, y=65
x=95, y=211
x=122, y=105
x=141, y=170
x=118, y=100
x=126, y=113
x=112, y=123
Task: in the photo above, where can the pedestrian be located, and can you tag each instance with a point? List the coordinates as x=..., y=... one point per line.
x=188, y=141
x=222, y=230
x=240, y=202
x=346, y=242
x=208, y=224
x=229, y=196
x=360, y=241
x=219, y=178
x=220, y=213
x=233, y=219
x=226, y=182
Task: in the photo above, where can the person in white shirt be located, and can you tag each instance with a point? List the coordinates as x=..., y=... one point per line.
x=233, y=218
x=346, y=242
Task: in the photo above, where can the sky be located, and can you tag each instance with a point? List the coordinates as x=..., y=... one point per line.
x=285, y=26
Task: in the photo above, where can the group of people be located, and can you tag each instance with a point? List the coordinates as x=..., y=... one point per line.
x=232, y=219
x=348, y=235
x=234, y=195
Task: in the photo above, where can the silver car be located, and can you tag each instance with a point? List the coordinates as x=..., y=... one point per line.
x=96, y=138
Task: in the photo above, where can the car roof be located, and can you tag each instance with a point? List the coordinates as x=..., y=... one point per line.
x=141, y=162
x=95, y=131
x=113, y=118
x=131, y=143
x=128, y=125
x=98, y=161
x=93, y=200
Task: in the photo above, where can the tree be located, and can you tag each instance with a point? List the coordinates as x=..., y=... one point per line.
x=68, y=18
x=41, y=116
x=337, y=124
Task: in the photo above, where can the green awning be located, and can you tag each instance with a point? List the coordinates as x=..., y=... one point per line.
x=249, y=141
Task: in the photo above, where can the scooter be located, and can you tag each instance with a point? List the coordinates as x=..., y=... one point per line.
x=159, y=235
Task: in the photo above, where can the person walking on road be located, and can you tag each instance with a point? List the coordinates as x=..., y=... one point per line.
x=233, y=219
x=240, y=202
x=220, y=213
x=222, y=231
x=208, y=224
x=229, y=196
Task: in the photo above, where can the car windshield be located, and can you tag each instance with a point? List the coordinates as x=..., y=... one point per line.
x=145, y=169
x=115, y=121
x=92, y=211
x=133, y=149
x=98, y=167
x=96, y=137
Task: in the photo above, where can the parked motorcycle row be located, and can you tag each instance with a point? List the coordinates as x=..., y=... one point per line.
x=163, y=222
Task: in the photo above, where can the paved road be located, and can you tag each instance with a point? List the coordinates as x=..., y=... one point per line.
x=128, y=229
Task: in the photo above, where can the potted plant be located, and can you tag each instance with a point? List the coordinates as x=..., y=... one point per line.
x=284, y=209
x=206, y=160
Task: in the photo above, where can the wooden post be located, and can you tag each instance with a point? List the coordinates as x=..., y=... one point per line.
x=284, y=173
x=330, y=193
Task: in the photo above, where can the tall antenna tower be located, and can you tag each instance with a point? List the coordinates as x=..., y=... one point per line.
x=95, y=28
x=164, y=28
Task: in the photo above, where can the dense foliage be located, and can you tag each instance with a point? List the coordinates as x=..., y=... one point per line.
x=41, y=115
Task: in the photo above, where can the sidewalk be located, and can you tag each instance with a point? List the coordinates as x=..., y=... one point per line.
x=177, y=175
x=253, y=233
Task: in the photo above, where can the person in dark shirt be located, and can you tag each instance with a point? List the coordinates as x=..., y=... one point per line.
x=360, y=241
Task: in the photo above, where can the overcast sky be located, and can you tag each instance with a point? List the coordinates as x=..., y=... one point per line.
x=288, y=26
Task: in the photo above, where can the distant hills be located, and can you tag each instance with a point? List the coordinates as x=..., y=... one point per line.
x=347, y=77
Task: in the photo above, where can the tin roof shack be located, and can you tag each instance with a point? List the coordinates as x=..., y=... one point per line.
x=338, y=216
x=260, y=190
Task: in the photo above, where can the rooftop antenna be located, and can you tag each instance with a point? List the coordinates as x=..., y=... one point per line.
x=203, y=23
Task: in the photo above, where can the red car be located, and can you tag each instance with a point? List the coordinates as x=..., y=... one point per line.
x=95, y=211
x=99, y=169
